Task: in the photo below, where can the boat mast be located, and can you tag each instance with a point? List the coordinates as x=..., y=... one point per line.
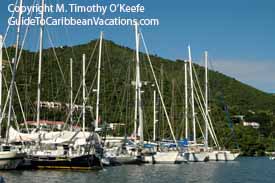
x=172, y=103
x=136, y=95
x=1, y=69
x=136, y=108
x=192, y=95
x=39, y=64
x=83, y=92
x=154, y=118
x=206, y=98
x=18, y=31
x=14, y=62
x=138, y=85
x=161, y=109
x=186, y=99
x=71, y=93
x=98, y=81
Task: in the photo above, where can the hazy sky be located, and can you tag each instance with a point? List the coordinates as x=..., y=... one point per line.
x=239, y=34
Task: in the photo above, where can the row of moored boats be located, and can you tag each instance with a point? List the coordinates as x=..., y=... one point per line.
x=88, y=148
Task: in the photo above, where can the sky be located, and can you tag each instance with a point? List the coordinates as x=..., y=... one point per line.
x=238, y=34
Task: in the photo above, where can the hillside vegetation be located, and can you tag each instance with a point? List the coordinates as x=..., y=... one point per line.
x=117, y=94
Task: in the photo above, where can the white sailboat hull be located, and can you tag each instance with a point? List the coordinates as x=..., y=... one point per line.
x=116, y=155
x=10, y=160
x=169, y=157
x=222, y=156
x=128, y=159
x=195, y=156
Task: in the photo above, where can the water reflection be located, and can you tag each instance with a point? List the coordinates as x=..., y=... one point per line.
x=244, y=170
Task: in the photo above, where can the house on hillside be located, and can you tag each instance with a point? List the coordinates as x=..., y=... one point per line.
x=252, y=124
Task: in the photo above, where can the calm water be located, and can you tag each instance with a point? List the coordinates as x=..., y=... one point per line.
x=252, y=170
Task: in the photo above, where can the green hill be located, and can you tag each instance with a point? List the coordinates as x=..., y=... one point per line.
x=117, y=93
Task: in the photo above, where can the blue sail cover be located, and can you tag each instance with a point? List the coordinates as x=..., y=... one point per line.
x=183, y=143
x=149, y=146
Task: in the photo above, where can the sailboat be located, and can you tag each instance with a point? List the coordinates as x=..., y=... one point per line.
x=214, y=155
x=202, y=152
x=10, y=156
x=71, y=149
x=137, y=150
x=192, y=151
x=76, y=150
x=129, y=151
x=151, y=153
x=166, y=152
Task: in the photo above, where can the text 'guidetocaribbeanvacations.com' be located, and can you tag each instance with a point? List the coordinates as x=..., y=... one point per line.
x=70, y=15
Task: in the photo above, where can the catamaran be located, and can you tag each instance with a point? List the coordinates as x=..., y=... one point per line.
x=203, y=150
x=214, y=155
